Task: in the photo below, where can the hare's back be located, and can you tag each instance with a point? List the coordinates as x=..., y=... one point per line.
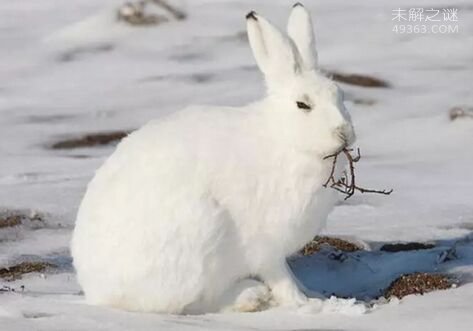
x=179, y=142
x=167, y=158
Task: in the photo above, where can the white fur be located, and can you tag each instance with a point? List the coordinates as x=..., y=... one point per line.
x=191, y=204
x=301, y=30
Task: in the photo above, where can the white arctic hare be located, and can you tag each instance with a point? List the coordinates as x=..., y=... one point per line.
x=191, y=204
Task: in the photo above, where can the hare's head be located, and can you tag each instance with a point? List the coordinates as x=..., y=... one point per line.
x=307, y=106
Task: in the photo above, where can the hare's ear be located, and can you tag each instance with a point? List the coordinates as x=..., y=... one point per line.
x=275, y=54
x=300, y=29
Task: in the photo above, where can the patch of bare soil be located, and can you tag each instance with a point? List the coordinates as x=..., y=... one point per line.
x=460, y=112
x=11, y=219
x=90, y=140
x=77, y=52
x=358, y=80
x=403, y=247
x=364, y=101
x=136, y=13
x=18, y=270
x=315, y=245
x=418, y=283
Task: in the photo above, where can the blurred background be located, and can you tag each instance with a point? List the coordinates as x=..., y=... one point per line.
x=77, y=76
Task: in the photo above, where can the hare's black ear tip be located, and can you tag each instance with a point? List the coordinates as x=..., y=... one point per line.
x=298, y=4
x=251, y=16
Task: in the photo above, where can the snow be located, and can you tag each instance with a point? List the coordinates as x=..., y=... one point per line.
x=68, y=68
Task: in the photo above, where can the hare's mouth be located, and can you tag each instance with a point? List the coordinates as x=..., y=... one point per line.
x=344, y=142
x=346, y=139
x=339, y=149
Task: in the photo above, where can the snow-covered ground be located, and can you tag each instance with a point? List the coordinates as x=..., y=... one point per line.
x=68, y=68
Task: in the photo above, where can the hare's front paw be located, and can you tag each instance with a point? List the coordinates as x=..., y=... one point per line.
x=287, y=293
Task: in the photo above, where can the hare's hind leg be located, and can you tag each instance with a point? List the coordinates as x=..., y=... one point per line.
x=246, y=295
x=284, y=286
x=222, y=261
x=187, y=256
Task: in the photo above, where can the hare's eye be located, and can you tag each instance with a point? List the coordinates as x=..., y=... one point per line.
x=302, y=105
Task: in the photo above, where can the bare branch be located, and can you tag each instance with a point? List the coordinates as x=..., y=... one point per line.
x=333, y=168
x=346, y=184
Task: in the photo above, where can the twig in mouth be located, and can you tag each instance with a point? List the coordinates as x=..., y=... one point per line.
x=346, y=184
